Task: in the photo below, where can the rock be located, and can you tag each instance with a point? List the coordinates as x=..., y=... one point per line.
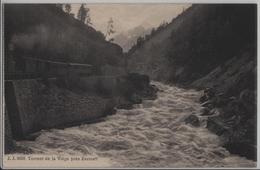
x=110, y=107
x=216, y=125
x=193, y=120
x=242, y=148
x=210, y=112
x=221, y=100
x=248, y=99
x=234, y=123
x=215, y=112
x=205, y=111
x=135, y=87
x=203, y=98
x=134, y=84
x=139, y=81
x=123, y=103
x=136, y=99
x=232, y=98
x=208, y=104
x=209, y=93
x=251, y=126
x=242, y=137
x=126, y=106
x=155, y=89
x=32, y=136
x=234, y=107
x=247, y=96
x=149, y=93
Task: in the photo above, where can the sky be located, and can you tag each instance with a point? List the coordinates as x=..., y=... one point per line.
x=129, y=16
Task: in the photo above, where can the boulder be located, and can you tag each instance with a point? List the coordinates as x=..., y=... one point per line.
x=208, y=104
x=149, y=93
x=136, y=99
x=242, y=148
x=139, y=81
x=248, y=100
x=242, y=139
x=234, y=107
x=193, y=120
x=235, y=123
x=136, y=87
x=208, y=94
x=247, y=96
x=216, y=125
x=210, y=112
x=205, y=111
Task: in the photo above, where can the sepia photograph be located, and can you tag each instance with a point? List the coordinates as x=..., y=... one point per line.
x=129, y=85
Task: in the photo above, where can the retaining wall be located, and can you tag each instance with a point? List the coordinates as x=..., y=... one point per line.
x=33, y=105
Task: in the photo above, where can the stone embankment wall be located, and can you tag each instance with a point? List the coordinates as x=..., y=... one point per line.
x=9, y=144
x=33, y=105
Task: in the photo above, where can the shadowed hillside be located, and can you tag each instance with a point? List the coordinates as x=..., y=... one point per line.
x=56, y=65
x=213, y=47
x=196, y=42
x=52, y=34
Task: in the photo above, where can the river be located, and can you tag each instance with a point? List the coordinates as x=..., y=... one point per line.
x=152, y=134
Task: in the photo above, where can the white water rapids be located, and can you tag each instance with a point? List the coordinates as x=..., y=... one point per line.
x=152, y=134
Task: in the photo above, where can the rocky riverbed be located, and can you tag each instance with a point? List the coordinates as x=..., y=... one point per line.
x=152, y=134
x=233, y=118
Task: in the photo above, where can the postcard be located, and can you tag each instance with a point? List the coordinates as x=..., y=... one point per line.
x=129, y=85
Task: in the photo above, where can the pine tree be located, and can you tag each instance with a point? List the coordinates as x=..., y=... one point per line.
x=110, y=28
x=83, y=15
x=88, y=20
x=67, y=8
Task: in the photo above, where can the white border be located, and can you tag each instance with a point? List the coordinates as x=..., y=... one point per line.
x=1, y=88
x=127, y=1
x=133, y=1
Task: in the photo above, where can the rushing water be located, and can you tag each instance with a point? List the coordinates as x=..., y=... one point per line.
x=152, y=134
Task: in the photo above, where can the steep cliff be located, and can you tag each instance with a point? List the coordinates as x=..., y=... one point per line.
x=213, y=47
x=197, y=41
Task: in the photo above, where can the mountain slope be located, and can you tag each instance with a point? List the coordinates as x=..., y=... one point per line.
x=196, y=42
x=46, y=32
x=211, y=47
x=150, y=57
x=127, y=39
